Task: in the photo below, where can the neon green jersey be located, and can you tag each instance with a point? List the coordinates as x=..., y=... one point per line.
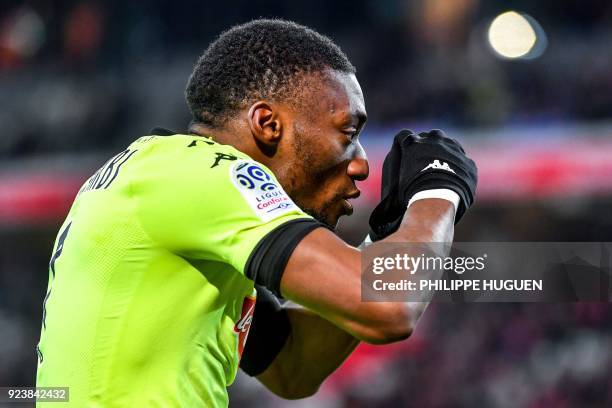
x=148, y=303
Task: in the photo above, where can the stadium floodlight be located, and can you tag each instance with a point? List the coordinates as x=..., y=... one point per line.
x=514, y=35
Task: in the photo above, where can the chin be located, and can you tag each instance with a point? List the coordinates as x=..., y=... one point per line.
x=330, y=220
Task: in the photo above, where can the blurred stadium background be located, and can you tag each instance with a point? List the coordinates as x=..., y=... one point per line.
x=530, y=96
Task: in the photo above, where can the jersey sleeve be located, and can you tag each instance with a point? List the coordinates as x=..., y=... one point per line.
x=210, y=203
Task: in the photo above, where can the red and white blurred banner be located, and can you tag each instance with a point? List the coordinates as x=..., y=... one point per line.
x=525, y=171
x=512, y=166
x=36, y=198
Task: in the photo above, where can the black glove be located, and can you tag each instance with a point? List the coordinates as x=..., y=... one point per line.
x=426, y=161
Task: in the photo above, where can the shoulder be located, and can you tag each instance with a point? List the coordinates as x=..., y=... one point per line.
x=186, y=145
x=188, y=156
x=199, y=164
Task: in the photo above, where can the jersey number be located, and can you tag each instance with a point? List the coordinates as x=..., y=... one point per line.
x=56, y=254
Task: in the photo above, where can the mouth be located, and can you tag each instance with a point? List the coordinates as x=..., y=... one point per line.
x=348, y=207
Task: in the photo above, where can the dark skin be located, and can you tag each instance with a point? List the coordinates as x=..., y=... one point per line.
x=312, y=147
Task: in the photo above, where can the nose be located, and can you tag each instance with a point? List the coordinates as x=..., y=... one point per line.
x=358, y=168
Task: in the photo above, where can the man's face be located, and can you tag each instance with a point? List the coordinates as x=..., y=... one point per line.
x=323, y=155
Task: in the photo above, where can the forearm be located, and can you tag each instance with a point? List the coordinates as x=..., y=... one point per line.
x=430, y=220
x=314, y=350
x=337, y=296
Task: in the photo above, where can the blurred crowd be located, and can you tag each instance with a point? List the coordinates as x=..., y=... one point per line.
x=509, y=355
x=83, y=75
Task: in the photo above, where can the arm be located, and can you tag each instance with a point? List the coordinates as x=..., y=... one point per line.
x=336, y=295
x=314, y=349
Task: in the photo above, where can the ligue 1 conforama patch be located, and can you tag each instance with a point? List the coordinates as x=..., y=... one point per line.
x=260, y=190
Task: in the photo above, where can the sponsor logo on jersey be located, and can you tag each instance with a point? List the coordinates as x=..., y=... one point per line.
x=260, y=190
x=223, y=156
x=243, y=325
x=436, y=165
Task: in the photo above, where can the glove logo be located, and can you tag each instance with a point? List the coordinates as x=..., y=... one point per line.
x=436, y=165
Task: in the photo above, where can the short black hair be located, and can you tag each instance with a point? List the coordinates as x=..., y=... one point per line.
x=257, y=60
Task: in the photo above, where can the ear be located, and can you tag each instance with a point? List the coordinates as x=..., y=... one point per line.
x=265, y=123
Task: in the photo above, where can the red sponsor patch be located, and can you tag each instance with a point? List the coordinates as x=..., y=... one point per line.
x=242, y=326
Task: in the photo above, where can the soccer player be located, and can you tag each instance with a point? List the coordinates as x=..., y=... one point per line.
x=153, y=276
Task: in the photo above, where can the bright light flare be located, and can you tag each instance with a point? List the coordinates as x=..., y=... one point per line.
x=515, y=35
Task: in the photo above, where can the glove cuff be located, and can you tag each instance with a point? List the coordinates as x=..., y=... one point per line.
x=441, y=193
x=436, y=180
